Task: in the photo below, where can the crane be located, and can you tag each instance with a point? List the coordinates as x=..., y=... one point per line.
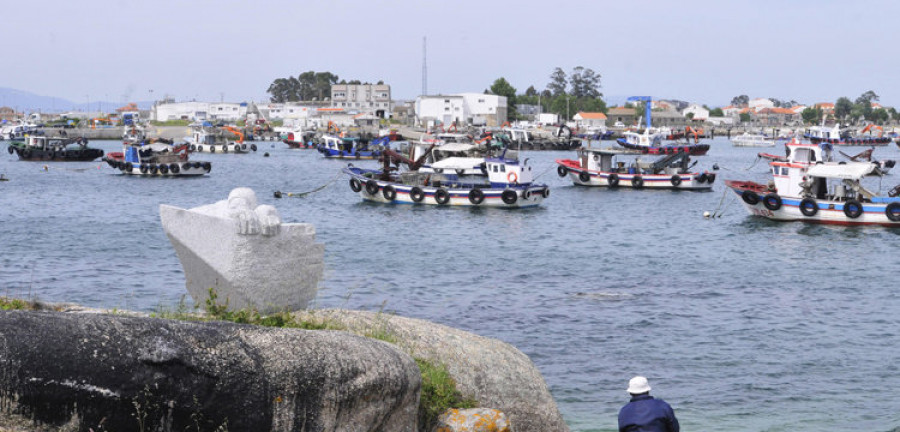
x=646, y=100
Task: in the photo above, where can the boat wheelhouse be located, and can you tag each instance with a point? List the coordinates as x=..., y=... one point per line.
x=209, y=139
x=44, y=148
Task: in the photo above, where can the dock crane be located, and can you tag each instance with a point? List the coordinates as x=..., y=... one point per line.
x=646, y=100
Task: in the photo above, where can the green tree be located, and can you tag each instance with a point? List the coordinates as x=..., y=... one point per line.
x=716, y=112
x=742, y=100
x=531, y=91
x=501, y=87
x=811, y=115
x=880, y=116
x=842, y=108
x=584, y=83
x=745, y=117
x=558, y=82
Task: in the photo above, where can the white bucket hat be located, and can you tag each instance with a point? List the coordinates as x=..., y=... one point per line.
x=638, y=385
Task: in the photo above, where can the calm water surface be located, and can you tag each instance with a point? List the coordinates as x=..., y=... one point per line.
x=740, y=323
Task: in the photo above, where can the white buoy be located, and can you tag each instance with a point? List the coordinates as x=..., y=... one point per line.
x=706, y=214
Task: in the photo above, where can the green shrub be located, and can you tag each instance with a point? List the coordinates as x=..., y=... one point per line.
x=438, y=394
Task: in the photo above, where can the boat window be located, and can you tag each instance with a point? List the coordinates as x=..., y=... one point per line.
x=496, y=169
x=502, y=168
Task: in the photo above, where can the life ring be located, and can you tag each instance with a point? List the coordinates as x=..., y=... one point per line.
x=144, y=168
x=675, y=180
x=389, y=193
x=584, y=176
x=512, y=177
x=750, y=197
x=372, y=187
x=892, y=211
x=174, y=168
x=441, y=196
x=355, y=185
x=772, y=201
x=562, y=171
x=154, y=169
x=509, y=196
x=637, y=182
x=809, y=207
x=416, y=194
x=476, y=196
x=853, y=209
x=163, y=169
x=546, y=192
x=612, y=180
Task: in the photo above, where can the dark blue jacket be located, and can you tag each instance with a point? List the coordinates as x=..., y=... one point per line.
x=646, y=414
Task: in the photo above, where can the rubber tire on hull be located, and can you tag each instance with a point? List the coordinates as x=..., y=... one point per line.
x=584, y=177
x=476, y=196
x=355, y=185
x=560, y=170
x=441, y=196
x=637, y=182
x=772, y=201
x=612, y=180
x=389, y=193
x=372, y=187
x=853, y=209
x=509, y=196
x=416, y=194
x=750, y=197
x=675, y=180
x=892, y=211
x=809, y=207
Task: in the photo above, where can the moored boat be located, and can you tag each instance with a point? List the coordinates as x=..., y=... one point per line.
x=337, y=147
x=604, y=167
x=508, y=183
x=206, y=138
x=654, y=144
x=836, y=136
x=157, y=160
x=809, y=186
x=43, y=148
x=748, y=139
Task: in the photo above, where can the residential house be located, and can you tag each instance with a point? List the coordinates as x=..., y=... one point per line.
x=464, y=108
x=625, y=115
x=760, y=103
x=585, y=120
x=776, y=117
x=699, y=113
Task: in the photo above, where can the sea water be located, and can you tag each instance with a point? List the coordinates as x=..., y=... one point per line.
x=740, y=323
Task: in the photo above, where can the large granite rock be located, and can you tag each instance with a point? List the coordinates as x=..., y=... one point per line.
x=245, y=253
x=118, y=373
x=494, y=373
x=472, y=420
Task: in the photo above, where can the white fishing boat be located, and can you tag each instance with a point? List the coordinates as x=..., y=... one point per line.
x=748, y=139
x=612, y=168
x=206, y=138
x=809, y=186
x=156, y=160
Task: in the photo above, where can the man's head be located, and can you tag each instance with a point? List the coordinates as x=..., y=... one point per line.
x=638, y=385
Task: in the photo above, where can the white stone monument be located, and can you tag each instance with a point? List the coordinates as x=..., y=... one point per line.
x=244, y=252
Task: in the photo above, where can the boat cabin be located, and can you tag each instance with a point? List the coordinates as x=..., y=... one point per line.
x=645, y=139
x=503, y=172
x=348, y=145
x=611, y=160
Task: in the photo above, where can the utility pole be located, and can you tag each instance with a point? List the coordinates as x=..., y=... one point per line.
x=424, y=67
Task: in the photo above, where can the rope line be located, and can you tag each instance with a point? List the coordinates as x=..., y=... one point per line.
x=280, y=194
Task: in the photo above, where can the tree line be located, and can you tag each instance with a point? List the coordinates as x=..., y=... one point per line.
x=564, y=95
x=845, y=110
x=307, y=86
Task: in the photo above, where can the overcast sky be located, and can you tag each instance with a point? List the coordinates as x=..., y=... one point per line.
x=698, y=51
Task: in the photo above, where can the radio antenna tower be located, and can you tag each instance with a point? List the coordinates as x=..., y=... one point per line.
x=424, y=68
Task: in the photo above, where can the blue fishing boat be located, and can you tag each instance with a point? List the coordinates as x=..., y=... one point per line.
x=336, y=147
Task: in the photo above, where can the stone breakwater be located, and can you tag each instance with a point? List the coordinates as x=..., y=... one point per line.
x=125, y=371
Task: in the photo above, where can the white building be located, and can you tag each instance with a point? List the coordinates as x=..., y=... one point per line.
x=699, y=112
x=463, y=108
x=363, y=98
x=760, y=103
x=198, y=111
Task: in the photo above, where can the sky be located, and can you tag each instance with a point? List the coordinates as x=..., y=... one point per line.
x=699, y=51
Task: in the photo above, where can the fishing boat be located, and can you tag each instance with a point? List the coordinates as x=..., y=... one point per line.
x=748, y=139
x=206, y=138
x=43, y=148
x=809, y=186
x=338, y=147
x=836, y=136
x=297, y=138
x=654, y=144
x=17, y=131
x=505, y=183
x=605, y=167
x=157, y=159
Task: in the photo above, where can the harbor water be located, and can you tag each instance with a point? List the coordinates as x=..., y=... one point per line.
x=740, y=323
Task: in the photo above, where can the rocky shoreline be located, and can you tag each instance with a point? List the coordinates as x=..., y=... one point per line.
x=67, y=367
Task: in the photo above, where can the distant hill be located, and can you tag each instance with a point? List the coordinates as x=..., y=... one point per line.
x=30, y=102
